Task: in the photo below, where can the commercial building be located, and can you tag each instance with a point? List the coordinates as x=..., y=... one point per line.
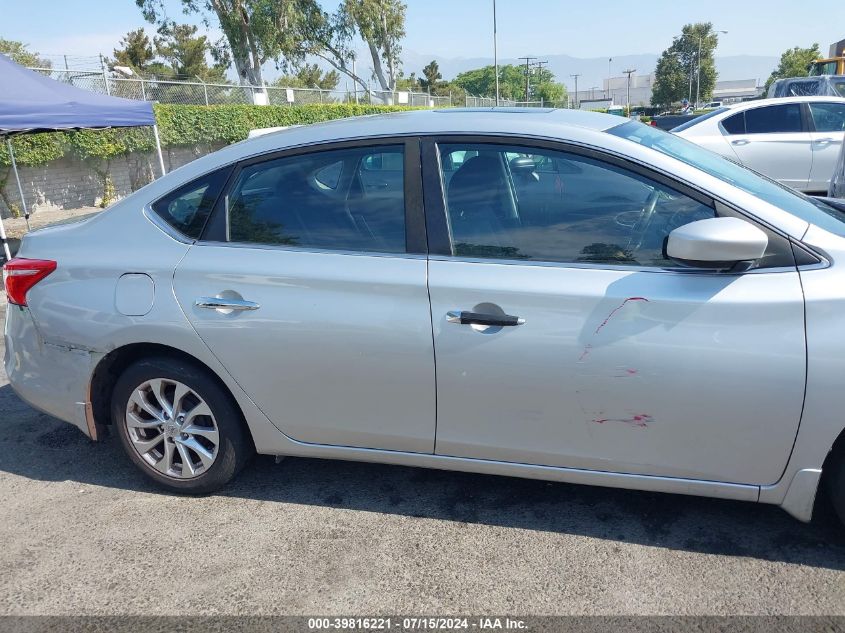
x=615, y=89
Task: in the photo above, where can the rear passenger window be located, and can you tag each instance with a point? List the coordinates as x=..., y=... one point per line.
x=773, y=119
x=187, y=208
x=735, y=124
x=350, y=199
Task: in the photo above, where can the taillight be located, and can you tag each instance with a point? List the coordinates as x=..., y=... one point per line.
x=19, y=275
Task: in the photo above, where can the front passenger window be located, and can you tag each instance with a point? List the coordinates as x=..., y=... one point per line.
x=528, y=204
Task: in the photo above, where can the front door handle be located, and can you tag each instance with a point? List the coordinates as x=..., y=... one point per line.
x=216, y=303
x=823, y=141
x=740, y=141
x=475, y=318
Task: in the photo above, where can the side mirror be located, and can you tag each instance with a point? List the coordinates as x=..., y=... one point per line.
x=716, y=243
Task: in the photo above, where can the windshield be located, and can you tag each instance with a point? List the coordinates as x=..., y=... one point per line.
x=807, y=208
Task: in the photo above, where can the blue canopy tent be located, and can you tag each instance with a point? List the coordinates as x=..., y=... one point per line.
x=31, y=102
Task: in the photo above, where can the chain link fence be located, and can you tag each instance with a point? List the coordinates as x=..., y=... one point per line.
x=489, y=102
x=200, y=93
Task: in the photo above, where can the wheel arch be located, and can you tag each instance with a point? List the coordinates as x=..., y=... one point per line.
x=112, y=365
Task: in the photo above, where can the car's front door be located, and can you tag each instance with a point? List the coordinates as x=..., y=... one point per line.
x=774, y=141
x=310, y=288
x=827, y=136
x=563, y=336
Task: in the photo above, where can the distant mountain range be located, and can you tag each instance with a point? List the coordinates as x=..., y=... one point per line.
x=593, y=70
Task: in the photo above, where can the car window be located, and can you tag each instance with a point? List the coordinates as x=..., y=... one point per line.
x=329, y=176
x=735, y=124
x=828, y=117
x=306, y=201
x=521, y=203
x=801, y=206
x=187, y=208
x=699, y=119
x=773, y=119
x=802, y=88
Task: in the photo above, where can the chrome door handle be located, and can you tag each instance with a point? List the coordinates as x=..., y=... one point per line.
x=463, y=317
x=216, y=303
x=823, y=141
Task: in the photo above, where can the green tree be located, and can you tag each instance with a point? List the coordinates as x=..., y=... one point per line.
x=381, y=24
x=550, y=93
x=187, y=54
x=309, y=76
x=431, y=75
x=794, y=62
x=541, y=82
x=18, y=53
x=693, y=60
x=136, y=51
x=671, y=80
x=255, y=31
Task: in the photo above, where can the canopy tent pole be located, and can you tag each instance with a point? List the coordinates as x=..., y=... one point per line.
x=18, y=179
x=158, y=149
x=6, y=251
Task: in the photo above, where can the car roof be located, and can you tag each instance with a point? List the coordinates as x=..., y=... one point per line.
x=549, y=122
x=793, y=99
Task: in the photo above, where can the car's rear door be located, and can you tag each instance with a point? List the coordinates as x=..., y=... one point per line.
x=773, y=140
x=828, y=119
x=564, y=337
x=310, y=288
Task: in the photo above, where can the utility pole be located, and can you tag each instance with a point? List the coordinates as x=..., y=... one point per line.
x=576, y=90
x=539, y=66
x=609, y=75
x=698, y=81
x=528, y=61
x=495, y=53
x=105, y=74
x=629, y=72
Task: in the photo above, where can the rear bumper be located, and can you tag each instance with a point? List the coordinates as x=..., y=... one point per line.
x=50, y=377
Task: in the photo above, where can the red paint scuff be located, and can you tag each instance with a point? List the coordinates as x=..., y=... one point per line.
x=617, y=309
x=641, y=420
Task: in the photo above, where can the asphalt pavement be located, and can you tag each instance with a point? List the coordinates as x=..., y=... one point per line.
x=83, y=533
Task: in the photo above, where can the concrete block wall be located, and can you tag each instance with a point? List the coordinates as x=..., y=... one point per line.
x=69, y=183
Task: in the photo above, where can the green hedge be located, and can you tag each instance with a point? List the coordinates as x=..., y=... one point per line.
x=183, y=125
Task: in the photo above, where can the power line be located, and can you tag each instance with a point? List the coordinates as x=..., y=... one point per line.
x=528, y=61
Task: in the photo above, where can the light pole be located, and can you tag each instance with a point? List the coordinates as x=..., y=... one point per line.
x=698, y=80
x=629, y=72
x=576, y=89
x=609, y=75
x=495, y=53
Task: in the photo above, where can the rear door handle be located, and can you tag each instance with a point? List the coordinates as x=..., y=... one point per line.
x=740, y=141
x=463, y=317
x=216, y=303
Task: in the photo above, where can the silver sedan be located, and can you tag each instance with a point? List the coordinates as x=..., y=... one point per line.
x=549, y=294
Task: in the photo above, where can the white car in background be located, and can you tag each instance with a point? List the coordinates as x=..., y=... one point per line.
x=794, y=140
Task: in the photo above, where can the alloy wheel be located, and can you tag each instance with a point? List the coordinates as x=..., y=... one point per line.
x=172, y=428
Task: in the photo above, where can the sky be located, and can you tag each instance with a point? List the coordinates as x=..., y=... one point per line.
x=463, y=28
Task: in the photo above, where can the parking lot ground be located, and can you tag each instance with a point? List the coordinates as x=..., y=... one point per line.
x=82, y=533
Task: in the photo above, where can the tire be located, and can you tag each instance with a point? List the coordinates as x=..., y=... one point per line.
x=835, y=482
x=158, y=414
